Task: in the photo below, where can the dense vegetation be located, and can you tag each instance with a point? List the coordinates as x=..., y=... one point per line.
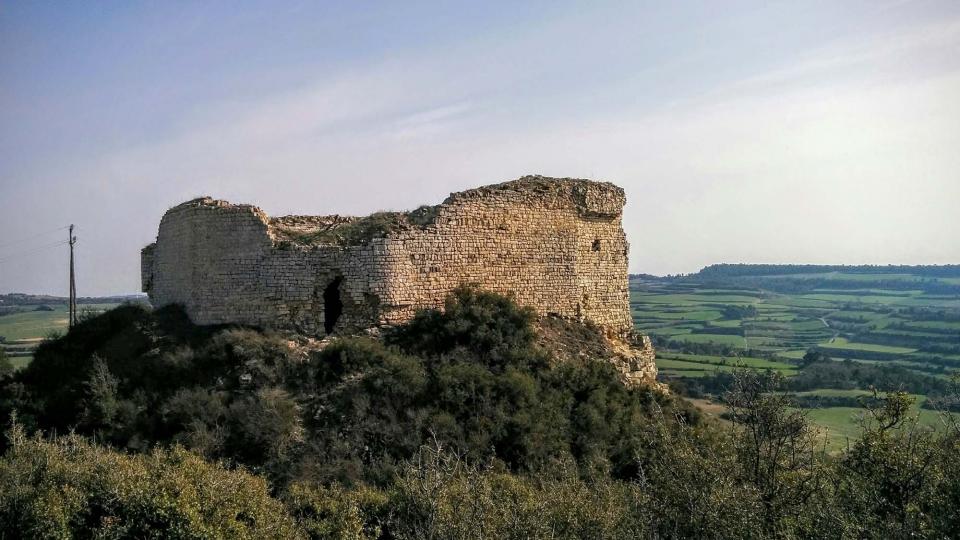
x=456, y=425
x=470, y=377
x=70, y=487
x=820, y=372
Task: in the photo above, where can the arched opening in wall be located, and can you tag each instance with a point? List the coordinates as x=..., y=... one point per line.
x=596, y=245
x=332, y=305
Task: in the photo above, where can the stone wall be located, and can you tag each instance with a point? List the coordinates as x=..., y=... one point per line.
x=554, y=244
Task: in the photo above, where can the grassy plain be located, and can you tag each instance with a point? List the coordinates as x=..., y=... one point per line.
x=844, y=344
x=33, y=324
x=842, y=424
x=23, y=331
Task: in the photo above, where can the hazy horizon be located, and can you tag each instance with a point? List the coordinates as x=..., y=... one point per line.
x=135, y=293
x=820, y=132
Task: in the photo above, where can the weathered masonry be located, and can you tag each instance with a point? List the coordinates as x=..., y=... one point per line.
x=554, y=244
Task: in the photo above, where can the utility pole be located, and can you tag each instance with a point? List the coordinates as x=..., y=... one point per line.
x=73, y=285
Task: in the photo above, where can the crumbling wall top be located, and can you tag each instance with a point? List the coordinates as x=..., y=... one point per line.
x=206, y=202
x=592, y=198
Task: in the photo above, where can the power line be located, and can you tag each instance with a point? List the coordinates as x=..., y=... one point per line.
x=34, y=236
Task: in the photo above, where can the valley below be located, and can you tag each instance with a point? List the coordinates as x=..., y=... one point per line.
x=883, y=328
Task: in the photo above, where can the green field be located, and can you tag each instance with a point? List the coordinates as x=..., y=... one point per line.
x=876, y=318
x=698, y=365
x=843, y=424
x=33, y=324
x=24, y=331
x=844, y=344
x=746, y=361
x=851, y=326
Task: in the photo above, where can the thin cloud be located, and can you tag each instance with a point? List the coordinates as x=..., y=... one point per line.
x=841, y=154
x=937, y=41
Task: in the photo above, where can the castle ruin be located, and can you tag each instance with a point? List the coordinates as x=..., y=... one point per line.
x=556, y=245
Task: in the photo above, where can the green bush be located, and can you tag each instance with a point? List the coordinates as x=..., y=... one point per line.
x=6, y=367
x=336, y=512
x=68, y=487
x=439, y=495
x=484, y=326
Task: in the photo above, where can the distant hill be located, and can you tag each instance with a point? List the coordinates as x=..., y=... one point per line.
x=742, y=269
x=800, y=278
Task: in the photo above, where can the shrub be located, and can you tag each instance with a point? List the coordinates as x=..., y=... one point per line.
x=484, y=326
x=68, y=487
x=6, y=367
x=439, y=495
x=337, y=512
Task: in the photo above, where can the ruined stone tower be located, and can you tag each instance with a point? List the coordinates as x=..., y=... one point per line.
x=556, y=245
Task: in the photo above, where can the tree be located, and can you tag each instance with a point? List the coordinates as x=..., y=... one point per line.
x=813, y=356
x=100, y=402
x=777, y=448
x=890, y=477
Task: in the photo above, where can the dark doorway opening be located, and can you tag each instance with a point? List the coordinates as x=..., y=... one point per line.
x=332, y=305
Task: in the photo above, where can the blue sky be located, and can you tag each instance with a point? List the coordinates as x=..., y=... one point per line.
x=742, y=131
